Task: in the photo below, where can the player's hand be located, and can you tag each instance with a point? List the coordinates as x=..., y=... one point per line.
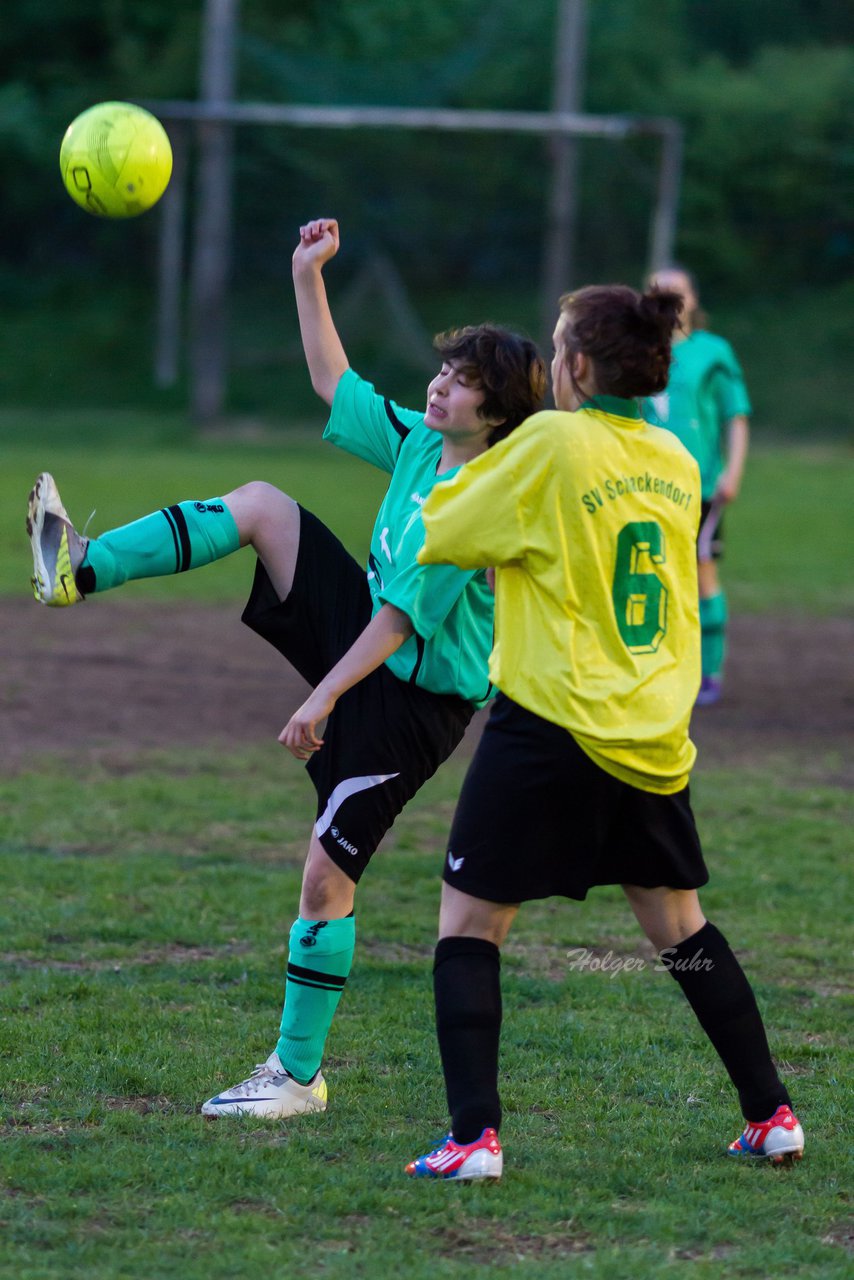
x=728, y=487
x=318, y=242
x=300, y=734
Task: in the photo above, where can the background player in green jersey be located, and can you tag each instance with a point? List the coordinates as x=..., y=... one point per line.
x=596, y=603
x=705, y=403
x=397, y=655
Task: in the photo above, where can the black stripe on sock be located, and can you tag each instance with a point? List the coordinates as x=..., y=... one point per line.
x=395, y=421
x=164, y=511
x=318, y=986
x=315, y=975
x=184, y=536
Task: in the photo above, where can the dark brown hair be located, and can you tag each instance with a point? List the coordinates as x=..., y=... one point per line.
x=508, y=368
x=626, y=334
x=698, y=318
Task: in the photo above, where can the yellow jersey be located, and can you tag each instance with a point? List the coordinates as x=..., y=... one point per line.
x=590, y=519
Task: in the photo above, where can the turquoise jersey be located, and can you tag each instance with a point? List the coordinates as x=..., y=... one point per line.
x=704, y=391
x=450, y=609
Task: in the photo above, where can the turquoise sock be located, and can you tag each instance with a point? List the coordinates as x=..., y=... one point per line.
x=173, y=540
x=713, y=620
x=319, y=960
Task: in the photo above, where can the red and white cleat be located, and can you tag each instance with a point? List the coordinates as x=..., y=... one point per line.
x=464, y=1161
x=778, y=1139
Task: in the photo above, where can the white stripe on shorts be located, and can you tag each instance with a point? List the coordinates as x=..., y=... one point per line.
x=708, y=529
x=349, y=787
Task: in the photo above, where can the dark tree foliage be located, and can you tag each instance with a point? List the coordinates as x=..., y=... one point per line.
x=737, y=31
x=765, y=91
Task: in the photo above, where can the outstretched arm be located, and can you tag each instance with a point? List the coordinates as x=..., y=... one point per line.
x=389, y=628
x=737, y=442
x=325, y=356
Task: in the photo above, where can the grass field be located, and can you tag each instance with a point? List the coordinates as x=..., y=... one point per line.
x=142, y=968
x=144, y=938
x=784, y=545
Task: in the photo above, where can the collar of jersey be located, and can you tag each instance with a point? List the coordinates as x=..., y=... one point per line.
x=614, y=406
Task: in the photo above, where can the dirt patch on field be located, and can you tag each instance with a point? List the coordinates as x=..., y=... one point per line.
x=507, y=1246
x=110, y=677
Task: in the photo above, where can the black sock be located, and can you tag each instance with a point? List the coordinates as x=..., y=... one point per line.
x=467, y=988
x=726, y=1009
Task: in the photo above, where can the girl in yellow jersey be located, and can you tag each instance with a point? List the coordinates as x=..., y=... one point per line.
x=590, y=516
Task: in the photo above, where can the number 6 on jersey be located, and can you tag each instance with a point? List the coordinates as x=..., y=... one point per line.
x=640, y=597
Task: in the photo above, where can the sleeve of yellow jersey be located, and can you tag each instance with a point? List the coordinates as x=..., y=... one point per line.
x=475, y=520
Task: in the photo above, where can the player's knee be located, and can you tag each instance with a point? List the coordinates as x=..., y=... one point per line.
x=667, y=916
x=263, y=512
x=326, y=891
x=315, y=893
x=260, y=496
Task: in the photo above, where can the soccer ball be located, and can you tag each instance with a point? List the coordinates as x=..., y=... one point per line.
x=115, y=160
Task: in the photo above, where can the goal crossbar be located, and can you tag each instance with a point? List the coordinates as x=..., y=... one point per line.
x=560, y=123
x=212, y=118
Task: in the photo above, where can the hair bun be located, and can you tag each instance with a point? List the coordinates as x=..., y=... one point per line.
x=661, y=308
x=628, y=335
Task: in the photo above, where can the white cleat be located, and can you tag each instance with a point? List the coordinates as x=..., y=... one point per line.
x=58, y=549
x=269, y=1092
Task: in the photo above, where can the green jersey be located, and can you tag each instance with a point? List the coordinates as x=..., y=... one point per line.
x=704, y=391
x=450, y=609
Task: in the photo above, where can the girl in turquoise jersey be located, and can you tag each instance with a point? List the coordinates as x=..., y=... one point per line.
x=397, y=656
x=706, y=405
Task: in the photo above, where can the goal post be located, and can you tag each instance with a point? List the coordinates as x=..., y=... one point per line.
x=213, y=123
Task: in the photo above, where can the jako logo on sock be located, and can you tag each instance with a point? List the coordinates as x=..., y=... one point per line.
x=216, y=507
x=309, y=938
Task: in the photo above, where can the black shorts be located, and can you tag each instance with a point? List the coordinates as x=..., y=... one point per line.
x=385, y=737
x=710, y=539
x=536, y=817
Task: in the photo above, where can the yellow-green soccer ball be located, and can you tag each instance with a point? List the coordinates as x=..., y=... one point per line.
x=115, y=160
